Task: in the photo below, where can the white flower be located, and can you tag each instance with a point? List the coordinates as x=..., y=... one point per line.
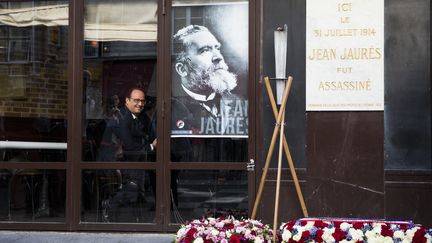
x=181, y=231
x=399, y=234
x=258, y=240
x=309, y=225
x=327, y=235
x=214, y=232
x=328, y=238
x=410, y=233
x=372, y=240
x=370, y=234
x=377, y=229
x=344, y=241
x=219, y=224
x=428, y=238
x=198, y=240
x=357, y=235
x=298, y=227
x=286, y=235
x=228, y=234
x=297, y=237
x=300, y=230
x=212, y=221
x=380, y=239
x=393, y=227
x=331, y=231
x=240, y=229
x=388, y=239
x=345, y=226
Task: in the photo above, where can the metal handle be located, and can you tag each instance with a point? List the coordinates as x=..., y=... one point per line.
x=250, y=166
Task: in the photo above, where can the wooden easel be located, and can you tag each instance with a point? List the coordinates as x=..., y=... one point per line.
x=280, y=120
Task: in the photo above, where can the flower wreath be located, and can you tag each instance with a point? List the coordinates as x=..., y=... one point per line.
x=224, y=230
x=316, y=230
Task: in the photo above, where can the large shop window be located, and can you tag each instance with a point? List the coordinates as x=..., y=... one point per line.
x=209, y=105
x=33, y=108
x=119, y=110
x=119, y=55
x=208, y=193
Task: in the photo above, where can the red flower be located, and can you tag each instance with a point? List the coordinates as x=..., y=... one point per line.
x=305, y=234
x=191, y=232
x=320, y=224
x=318, y=235
x=419, y=236
x=358, y=225
x=303, y=223
x=339, y=235
x=403, y=227
x=190, y=235
x=189, y=239
x=279, y=237
x=386, y=232
x=229, y=226
x=234, y=239
x=289, y=225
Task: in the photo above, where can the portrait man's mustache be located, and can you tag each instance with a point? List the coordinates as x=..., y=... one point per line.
x=216, y=77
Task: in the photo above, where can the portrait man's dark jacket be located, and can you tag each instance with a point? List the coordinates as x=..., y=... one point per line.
x=188, y=110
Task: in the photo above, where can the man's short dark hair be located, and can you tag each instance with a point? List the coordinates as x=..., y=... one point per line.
x=180, y=45
x=130, y=90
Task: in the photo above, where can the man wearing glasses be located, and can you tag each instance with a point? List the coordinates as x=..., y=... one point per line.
x=134, y=128
x=133, y=133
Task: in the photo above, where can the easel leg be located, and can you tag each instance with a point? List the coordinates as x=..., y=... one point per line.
x=279, y=172
x=265, y=170
x=271, y=148
x=287, y=152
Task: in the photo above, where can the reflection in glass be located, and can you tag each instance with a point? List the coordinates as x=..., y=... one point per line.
x=32, y=195
x=209, y=105
x=119, y=53
x=217, y=193
x=118, y=196
x=33, y=81
x=208, y=149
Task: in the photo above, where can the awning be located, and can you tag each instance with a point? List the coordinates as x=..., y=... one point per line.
x=180, y=3
x=127, y=20
x=50, y=15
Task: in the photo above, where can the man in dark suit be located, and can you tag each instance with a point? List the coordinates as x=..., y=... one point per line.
x=134, y=128
x=133, y=131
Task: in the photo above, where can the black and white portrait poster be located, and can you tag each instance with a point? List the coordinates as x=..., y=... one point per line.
x=209, y=69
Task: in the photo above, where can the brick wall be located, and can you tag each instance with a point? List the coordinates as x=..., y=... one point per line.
x=37, y=87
